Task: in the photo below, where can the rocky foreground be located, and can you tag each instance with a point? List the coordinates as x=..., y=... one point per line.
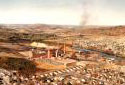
x=77, y=75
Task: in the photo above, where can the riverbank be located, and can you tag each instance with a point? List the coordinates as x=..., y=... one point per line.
x=111, y=45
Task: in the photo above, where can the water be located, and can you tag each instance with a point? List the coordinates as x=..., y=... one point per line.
x=108, y=56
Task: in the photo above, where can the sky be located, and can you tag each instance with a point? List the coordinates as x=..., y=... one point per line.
x=63, y=12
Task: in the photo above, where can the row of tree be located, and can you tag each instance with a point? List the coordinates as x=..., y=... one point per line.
x=30, y=37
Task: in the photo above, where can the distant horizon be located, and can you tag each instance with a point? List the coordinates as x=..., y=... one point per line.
x=60, y=24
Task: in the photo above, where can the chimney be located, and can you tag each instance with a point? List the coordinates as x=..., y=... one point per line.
x=56, y=53
x=48, y=54
x=64, y=48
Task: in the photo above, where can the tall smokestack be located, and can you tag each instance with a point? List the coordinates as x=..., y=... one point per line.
x=48, y=55
x=64, y=47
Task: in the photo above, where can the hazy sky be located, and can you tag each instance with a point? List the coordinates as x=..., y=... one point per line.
x=64, y=12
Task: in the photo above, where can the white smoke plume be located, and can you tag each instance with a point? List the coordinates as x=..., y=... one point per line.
x=88, y=8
